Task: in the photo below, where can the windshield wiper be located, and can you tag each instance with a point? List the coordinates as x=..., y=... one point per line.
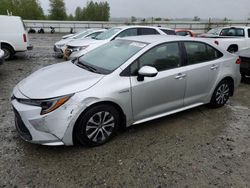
x=87, y=67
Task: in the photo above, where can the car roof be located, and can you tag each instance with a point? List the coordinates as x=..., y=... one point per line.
x=150, y=39
x=141, y=26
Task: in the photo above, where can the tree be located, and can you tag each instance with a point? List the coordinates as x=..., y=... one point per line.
x=57, y=10
x=158, y=19
x=70, y=17
x=133, y=19
x=27, y=6
x=22, y=8
x=196, y=18
x=78, y=14
x=93, y=11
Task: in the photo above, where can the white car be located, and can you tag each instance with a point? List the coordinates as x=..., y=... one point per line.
x=60, y=46
x=122, y=83
x=78, y=48
x=13, y=36
x=232, y=39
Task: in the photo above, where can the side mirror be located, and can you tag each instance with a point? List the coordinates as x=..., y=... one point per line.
x=146, y=71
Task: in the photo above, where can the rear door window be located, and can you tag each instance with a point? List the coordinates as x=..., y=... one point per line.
x=235, y=32
x=147, y=31
x=168, y=32
x=128, y=33
x=198, y=52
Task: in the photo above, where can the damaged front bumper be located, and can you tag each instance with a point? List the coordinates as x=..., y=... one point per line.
x=53, y=129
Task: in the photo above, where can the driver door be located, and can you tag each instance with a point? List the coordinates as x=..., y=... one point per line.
x=164, y=92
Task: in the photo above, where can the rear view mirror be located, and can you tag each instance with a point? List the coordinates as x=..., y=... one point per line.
x=146, y=71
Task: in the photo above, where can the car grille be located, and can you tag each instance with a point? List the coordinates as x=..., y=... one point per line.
x=20, y=126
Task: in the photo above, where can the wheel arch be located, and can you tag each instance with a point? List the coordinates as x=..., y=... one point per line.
x=233, y=46
x=123, y=120
x=8, y=44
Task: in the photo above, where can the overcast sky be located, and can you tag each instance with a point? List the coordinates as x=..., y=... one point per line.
x=233, y=9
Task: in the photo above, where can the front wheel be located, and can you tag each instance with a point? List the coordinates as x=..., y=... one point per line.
x=97, y=126
x=221, y=94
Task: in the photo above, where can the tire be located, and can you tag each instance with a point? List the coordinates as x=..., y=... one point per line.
x=221, y=94
x=8, y=52
x=91, y=129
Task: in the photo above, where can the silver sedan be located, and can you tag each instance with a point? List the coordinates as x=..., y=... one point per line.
x=122, y=83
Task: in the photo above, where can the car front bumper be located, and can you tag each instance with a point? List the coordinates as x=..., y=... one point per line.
x=52, y=129
x=58, y=51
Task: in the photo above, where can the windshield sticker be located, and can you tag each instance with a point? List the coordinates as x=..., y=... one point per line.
x=138, y=44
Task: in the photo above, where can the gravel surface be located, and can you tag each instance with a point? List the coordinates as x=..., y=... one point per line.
x=200, y=147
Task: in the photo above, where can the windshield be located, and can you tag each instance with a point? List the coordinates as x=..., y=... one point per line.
x=107, y=34
x=215, y=31
x=112, y=55
x=80, y=35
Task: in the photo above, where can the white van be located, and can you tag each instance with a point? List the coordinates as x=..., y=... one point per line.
x=13, y=36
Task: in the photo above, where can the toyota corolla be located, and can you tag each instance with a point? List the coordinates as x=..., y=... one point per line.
x=122, y=83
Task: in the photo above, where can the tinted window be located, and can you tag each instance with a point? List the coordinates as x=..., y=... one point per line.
x=248, y=33
x=163, y=57
x=128, y=32
x=147, y=31
x=168, y=32
x=199, y=52
x=238, y=32
x=183, y=33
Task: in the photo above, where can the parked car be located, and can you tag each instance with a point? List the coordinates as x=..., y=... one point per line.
x=1, y=56
x=122, y=83
x=231, y=38
x=78, y=48
x=13, y=36
x=212, y=32
x=60, y=46
x=185, y=32
x=245, y=62
x=70, y=35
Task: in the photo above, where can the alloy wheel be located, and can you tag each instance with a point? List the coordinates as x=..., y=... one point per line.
x=222, y=94
x=100, y=126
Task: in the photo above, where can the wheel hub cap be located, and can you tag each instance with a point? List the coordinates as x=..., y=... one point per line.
x=100, y=126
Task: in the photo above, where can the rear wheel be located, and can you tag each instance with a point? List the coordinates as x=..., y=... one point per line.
x=97, y=126
x=221, y=94
x=8, y=52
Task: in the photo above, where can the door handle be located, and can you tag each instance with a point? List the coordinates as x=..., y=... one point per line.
x=180, y=76
x=214, y=67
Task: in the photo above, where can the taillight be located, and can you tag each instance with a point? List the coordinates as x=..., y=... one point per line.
x=24, y=38
x=238, y=61
x=216, y=42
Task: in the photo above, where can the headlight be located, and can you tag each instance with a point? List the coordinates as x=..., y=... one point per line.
x=47, y=105
x=60, y=45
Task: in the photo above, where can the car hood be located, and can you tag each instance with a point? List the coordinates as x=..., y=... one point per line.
x=85, y=42
x=57, y=80
x=64, y=41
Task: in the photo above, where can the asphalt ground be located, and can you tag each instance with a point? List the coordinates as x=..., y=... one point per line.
x=201, y=147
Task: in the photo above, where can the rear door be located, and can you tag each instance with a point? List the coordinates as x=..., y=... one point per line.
x=202, y=69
